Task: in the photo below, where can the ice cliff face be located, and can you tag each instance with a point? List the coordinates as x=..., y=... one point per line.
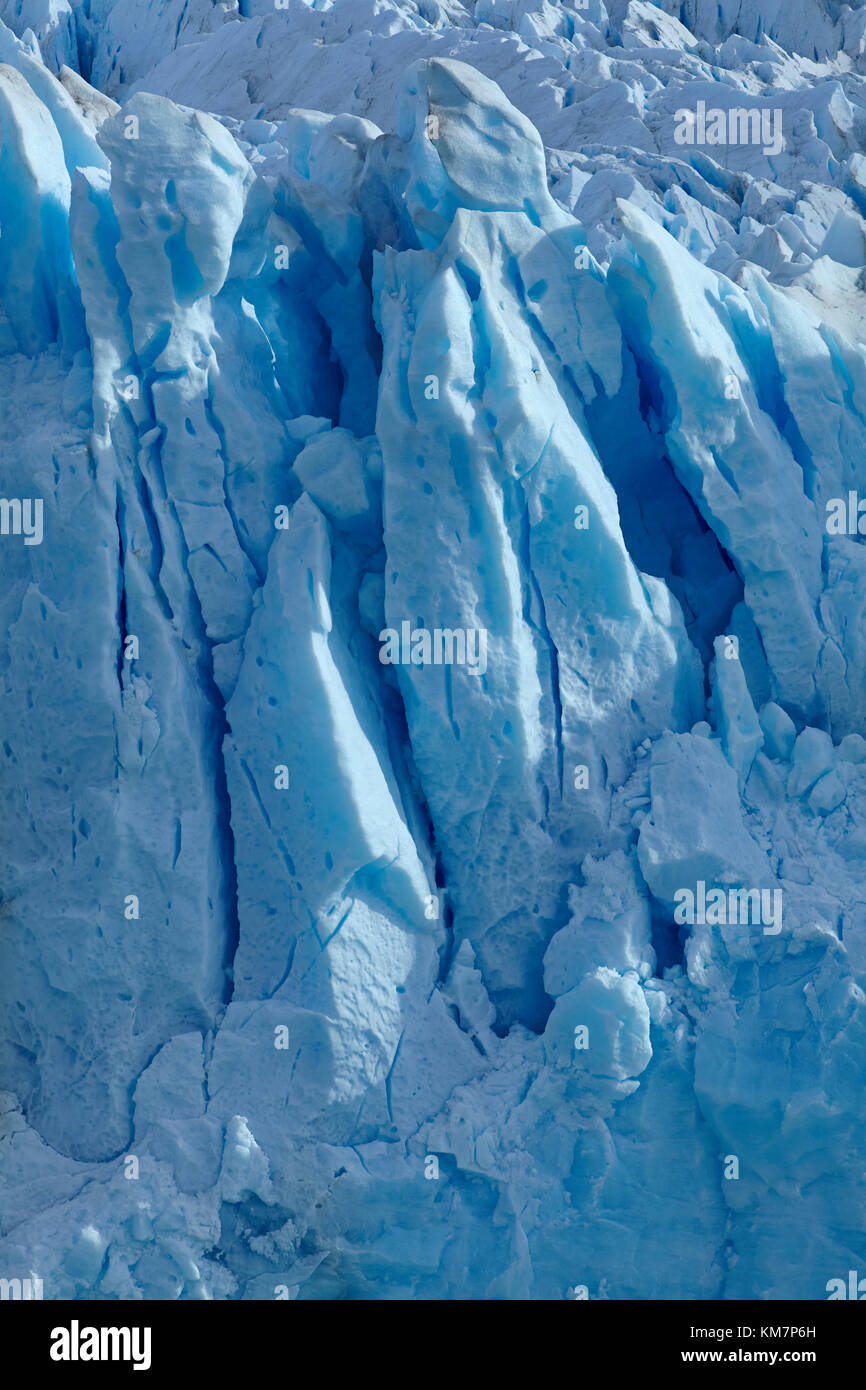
x=432, y=774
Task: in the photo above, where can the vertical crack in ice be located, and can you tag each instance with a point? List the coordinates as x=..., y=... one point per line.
x=215, y=721
x=538, y=623
x=119, y=518
x=219, y=430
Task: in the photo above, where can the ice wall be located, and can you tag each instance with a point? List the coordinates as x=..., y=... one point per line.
x=329, y=969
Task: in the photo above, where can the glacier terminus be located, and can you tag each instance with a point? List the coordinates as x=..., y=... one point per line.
x=433, y=660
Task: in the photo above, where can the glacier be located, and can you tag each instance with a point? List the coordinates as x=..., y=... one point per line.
x=433, y=771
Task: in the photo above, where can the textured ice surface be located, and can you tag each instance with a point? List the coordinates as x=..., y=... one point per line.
x=329, y=330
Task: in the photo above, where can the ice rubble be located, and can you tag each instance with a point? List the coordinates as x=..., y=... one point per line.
x=297, y=947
